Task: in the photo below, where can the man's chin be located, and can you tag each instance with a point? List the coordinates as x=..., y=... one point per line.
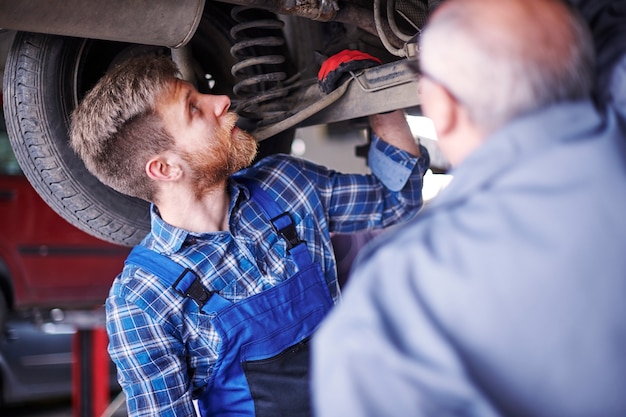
x=246, y=144
x=242, y=135
x=243, y=152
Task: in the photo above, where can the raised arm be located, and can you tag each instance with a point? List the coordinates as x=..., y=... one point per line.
x=394, y=129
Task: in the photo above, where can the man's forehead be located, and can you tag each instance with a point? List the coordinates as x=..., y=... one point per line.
x=173, y=93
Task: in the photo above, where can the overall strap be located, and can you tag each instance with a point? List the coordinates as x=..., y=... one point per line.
x=183, y=280
x=282, y=221
x=188, y=284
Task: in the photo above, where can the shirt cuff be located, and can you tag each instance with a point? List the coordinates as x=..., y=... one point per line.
x=391, y=165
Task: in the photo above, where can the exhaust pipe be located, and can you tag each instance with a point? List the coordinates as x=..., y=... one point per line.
x=169, y=23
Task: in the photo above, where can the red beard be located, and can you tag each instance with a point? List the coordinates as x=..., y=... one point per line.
x=223, y=155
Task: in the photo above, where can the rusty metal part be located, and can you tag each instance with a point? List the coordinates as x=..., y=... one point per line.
x=379, y=89
x=322, y=10
x=154, y=22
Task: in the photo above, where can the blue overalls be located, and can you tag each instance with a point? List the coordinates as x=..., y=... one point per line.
x=263, y=365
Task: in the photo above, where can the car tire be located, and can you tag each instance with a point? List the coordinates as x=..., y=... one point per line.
x=41, y=87
x=47, y=75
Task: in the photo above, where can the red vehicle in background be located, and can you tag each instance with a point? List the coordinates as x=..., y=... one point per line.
x=45, y=262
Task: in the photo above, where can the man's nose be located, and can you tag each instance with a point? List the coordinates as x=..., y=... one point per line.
x=220, y=104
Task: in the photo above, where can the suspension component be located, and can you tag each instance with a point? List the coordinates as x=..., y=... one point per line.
x=258, y=51
x=414, y=14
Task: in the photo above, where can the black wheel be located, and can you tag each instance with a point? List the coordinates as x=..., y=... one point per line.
x=46, y=76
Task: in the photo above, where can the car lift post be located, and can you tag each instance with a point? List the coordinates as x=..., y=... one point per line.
x=90, y=361
x=90, y=373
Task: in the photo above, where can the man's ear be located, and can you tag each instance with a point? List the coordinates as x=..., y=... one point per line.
x=163, y=168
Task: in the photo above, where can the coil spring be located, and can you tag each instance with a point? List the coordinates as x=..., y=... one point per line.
x=261, y=78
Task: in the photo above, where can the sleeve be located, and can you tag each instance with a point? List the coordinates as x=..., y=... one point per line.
x=150, y=362
x=349, y=203
x=381, y=353
x=391, y=165
x=391, y=194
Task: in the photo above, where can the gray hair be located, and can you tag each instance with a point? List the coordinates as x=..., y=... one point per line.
x=497, y=75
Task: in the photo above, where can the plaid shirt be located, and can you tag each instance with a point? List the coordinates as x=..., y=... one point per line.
x=163, y=346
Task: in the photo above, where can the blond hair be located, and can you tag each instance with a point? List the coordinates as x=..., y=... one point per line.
x=115, y=128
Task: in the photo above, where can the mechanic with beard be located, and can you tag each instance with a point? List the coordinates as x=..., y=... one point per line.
x=218, y=302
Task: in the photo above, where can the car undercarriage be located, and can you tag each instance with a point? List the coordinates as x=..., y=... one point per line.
x=264, y=54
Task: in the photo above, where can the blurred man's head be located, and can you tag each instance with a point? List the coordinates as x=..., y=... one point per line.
x=486, y=62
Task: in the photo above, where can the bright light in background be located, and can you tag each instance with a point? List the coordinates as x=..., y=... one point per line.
x=298, y=147
x=433, y=184
x=422, y=126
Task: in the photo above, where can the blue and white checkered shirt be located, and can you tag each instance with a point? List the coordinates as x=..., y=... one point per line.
x=164, y=348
